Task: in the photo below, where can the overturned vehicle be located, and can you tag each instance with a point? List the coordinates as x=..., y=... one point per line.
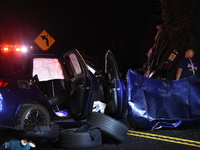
x=161, y=62
x=155, y=99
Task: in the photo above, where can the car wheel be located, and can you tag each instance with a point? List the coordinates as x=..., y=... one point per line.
x=34, y=121
x=33, y=115
x=108, y=125
x=83, y=137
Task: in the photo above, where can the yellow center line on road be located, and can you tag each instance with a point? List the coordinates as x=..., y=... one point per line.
x=165, y=138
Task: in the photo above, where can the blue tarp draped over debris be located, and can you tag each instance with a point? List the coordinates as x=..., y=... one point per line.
x=155, y=104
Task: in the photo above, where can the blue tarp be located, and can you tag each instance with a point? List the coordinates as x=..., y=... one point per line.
x=155, y=104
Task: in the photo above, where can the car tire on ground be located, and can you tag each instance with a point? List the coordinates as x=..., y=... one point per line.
x=83, y=137
x=42, y=136
x=108, y=125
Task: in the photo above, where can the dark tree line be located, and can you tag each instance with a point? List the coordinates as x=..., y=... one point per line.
x=181, y=19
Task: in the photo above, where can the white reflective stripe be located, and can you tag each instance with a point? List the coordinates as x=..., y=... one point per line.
x=192, y=66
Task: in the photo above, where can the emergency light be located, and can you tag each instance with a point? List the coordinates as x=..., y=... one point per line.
x=13, y=48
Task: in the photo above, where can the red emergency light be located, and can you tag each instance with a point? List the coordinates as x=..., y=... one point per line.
x=3, y=83
x=13, y=48
x=5, y=49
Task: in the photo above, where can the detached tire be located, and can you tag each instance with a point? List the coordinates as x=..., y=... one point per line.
x=83, y=137
x=108, y=125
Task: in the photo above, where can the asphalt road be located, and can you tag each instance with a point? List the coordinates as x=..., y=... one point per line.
x=162, y=139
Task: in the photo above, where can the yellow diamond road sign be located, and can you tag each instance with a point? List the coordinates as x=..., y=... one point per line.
x=44, y=40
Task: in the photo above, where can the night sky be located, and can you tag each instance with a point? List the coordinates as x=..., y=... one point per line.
x=125, y=27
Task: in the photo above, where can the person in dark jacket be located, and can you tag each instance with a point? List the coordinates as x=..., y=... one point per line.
x=187, y=67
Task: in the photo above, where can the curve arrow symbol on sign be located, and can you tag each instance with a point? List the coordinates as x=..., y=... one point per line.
x=46, y=39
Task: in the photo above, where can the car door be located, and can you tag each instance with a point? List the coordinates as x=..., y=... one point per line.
x=117, y=105
x=80, y=83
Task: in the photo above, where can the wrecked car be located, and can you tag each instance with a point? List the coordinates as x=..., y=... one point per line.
x=44, y=89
